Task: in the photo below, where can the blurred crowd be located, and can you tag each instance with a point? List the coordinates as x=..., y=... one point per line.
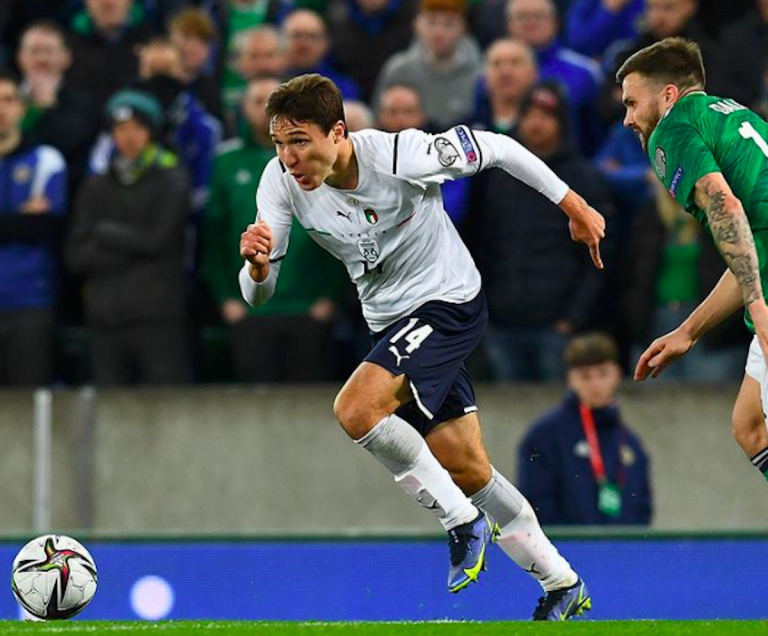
x=133, y=136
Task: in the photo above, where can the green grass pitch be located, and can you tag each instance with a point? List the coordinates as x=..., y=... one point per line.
x=221, y=628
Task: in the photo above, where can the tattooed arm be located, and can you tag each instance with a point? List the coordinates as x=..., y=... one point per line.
x=731, y=233
x=739, y=286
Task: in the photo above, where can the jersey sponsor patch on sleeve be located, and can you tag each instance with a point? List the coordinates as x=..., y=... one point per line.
x=676, y=178
x=466, y=144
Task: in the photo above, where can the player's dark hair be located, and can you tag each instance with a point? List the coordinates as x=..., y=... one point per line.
x=311, y=99
x=590, y=349
x=671, y=61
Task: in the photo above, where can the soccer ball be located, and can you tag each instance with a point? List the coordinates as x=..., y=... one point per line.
x=53, y=577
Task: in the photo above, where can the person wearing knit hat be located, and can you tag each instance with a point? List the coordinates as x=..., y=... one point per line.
x=443, y=64
x=544, y=122
x=135, y=105
x=549, y=98
x=127, y=239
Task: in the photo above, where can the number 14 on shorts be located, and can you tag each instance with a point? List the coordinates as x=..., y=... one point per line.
x=413, y=336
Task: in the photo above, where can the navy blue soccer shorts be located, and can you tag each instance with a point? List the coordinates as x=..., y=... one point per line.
x=430, y=346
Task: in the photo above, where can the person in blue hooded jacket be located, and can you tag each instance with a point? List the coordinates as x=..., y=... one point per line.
x=580, y=464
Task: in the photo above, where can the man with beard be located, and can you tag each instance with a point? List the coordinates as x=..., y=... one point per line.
x=711, y=154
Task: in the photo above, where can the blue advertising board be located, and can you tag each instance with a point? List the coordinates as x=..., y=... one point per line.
x=675, y=578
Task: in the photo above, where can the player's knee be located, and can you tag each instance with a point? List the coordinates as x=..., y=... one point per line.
x=747, y=430
x=354, y=417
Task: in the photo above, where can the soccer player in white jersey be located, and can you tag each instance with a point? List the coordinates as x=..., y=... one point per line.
x=372, y=199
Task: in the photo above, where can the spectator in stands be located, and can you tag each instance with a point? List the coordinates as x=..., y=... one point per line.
x=191, y=130
x=287, y=340
x=237, y=19
x=261, y=54
x=365, y=34
x=443, y=63
x=744, y=49
x=127, y=238
x=400, y=108
x=33, y=196
x=194, y=35
x=594, y=25
x=580, y=464
x=662, y=19
x=56, y=113
x=627, y=171
x=535, y=22
x=553, y=292
x=668, y=268
x=307, y=47
x=17, y=15
x=104, y=40
x=488, y=19
x=510, y=72
x=358, y=116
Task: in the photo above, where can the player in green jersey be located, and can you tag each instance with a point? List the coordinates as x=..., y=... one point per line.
x=711, y=154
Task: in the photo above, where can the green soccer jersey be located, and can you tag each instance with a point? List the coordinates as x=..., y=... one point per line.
x=702, y=134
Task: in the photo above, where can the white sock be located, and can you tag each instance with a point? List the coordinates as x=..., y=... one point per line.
x=398, y=446
x=521, y=536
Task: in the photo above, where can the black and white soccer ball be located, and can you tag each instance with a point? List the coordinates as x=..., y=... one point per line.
x=53, y=577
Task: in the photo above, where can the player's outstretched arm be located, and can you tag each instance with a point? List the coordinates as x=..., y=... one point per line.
x=733, y=237
x=723, y=301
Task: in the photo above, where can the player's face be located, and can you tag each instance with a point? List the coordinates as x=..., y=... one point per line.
x=645, y=102
x=595, y=384
x=307, y=152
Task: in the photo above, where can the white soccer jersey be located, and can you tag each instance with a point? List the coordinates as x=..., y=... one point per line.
x=391, y=232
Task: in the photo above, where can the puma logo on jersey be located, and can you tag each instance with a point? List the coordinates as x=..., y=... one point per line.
x=398, y=356
x=346, y=216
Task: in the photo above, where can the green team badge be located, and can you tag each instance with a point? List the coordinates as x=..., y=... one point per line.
x=660, y=163
x=371, y=216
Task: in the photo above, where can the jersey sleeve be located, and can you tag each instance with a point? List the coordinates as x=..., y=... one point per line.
x=680, y=158
x=460, y=152
x=427, y=159
x=273, y=205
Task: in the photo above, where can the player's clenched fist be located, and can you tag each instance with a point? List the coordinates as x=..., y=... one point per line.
x=255, y=247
